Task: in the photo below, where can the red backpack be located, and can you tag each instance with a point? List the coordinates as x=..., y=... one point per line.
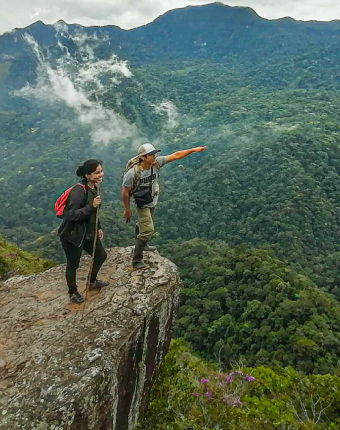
x=60, y=204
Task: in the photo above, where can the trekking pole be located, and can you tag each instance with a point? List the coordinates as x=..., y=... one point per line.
x=93, y=253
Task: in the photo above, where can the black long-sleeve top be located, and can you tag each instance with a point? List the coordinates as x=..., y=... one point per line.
x=79, y=215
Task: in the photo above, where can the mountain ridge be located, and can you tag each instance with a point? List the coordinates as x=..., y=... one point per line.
x=192, y=23
x=234, y=9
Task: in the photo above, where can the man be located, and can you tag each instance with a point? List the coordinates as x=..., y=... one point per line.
x=141, y=181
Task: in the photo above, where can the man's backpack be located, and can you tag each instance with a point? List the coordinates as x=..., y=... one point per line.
x=133, y=163
x=60, y=204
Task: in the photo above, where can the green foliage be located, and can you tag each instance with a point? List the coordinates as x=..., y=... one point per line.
x=14, y=261
x=192, y=394
x=241, y=303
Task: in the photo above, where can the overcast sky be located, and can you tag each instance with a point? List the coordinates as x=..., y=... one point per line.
x=133, y=13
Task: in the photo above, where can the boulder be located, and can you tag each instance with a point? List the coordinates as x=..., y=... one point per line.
x=66, y=366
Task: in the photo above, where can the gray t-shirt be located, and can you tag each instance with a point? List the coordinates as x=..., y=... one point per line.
x=146, y=179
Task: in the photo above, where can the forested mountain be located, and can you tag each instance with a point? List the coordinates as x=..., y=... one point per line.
x=253, y=222
x=241, y=302
x=262, y=94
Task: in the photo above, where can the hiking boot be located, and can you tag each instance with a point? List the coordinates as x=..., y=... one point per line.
x=150, y=248
x=97, y=284
x=76, y=298
x=138, y=251
x=140, y=265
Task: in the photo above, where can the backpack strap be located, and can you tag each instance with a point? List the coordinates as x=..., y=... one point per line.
x=136, y=179
x=83, y=186
x=151, y=179
x=80, y=183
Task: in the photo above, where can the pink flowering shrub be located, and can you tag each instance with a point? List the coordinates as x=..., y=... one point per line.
x=192, y=394
x=221, y=391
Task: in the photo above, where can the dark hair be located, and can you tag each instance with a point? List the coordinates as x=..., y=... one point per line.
x=88, y=167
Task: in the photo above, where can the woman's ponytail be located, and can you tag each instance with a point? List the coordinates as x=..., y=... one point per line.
x=80, y=171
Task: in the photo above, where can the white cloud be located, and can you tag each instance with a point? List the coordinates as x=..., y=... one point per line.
x=170, y=110
x=133, y=13
x=60, y=84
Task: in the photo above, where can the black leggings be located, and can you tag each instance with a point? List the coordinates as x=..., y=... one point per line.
x=73, y=254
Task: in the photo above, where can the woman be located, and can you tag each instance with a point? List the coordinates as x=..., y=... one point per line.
x=78, y=228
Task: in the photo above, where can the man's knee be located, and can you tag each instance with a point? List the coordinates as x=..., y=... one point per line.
x=145, y=224
x=146, y=233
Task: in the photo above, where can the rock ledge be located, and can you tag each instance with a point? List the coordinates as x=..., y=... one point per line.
x=60, y=372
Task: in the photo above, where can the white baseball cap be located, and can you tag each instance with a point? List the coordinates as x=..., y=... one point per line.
x=147, y=149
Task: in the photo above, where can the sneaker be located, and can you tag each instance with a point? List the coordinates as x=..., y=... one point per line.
x=97, y=284
x=76, y=298
x=150, y=248
x=140, y=265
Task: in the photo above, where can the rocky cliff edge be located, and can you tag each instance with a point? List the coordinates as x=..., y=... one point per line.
x=58, y=371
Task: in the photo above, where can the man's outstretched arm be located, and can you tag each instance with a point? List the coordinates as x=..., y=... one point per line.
x=184, y=153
